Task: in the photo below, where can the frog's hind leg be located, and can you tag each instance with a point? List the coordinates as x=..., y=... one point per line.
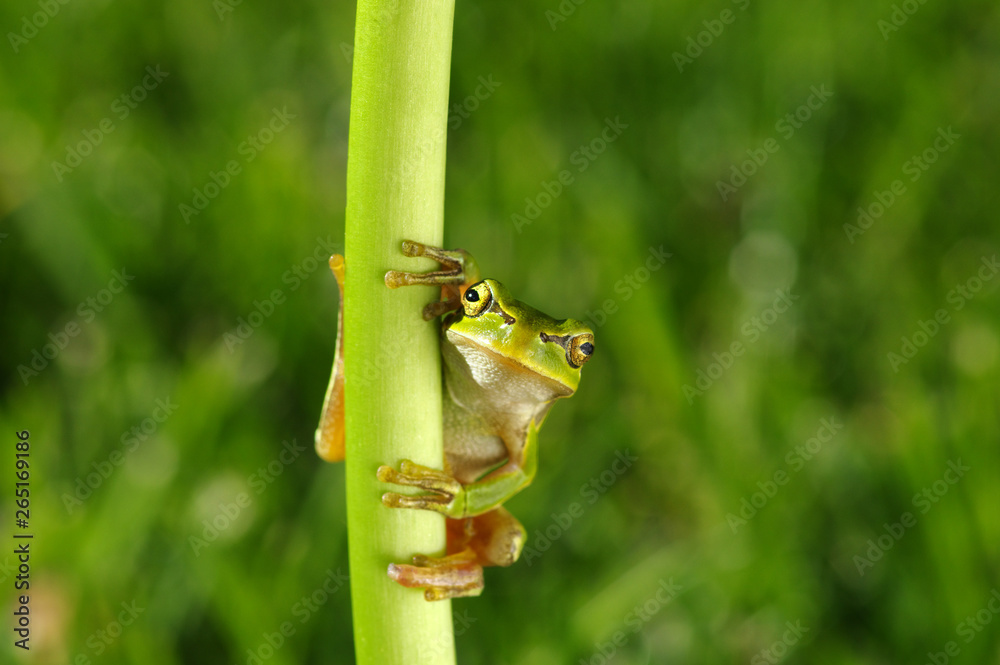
x=330, y=433
x=491, y=539
x=497, y=537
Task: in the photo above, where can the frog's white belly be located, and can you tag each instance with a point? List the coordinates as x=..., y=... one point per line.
x=489, y=401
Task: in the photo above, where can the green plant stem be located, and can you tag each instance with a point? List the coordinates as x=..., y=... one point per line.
x=395, y=191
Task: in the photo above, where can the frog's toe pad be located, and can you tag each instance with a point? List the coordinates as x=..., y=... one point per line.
x=413, y=248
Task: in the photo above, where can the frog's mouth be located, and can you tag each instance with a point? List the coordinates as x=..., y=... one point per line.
x=487, y=367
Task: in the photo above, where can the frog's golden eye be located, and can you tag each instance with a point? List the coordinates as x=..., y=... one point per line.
x=580, y=349
x=477, y=299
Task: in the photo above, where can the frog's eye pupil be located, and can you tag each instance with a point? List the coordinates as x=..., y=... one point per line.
x=472, y=296
x=587, y=348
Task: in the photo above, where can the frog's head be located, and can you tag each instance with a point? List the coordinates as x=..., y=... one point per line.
x=493, y=320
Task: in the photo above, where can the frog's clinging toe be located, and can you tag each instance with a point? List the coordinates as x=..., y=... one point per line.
x=413, y=248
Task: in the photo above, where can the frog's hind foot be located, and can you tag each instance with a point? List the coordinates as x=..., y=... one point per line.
x=454, y=576
x=491, y=539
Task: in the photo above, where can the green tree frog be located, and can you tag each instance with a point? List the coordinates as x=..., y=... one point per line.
x=504, y=365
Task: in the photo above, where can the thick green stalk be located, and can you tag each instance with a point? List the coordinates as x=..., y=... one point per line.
x=395, y=191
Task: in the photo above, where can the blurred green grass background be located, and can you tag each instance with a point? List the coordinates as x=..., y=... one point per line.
x=668, y=517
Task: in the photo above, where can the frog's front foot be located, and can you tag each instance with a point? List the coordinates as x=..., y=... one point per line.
x=458, y=270
x=453, y=576
x=445, y=494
